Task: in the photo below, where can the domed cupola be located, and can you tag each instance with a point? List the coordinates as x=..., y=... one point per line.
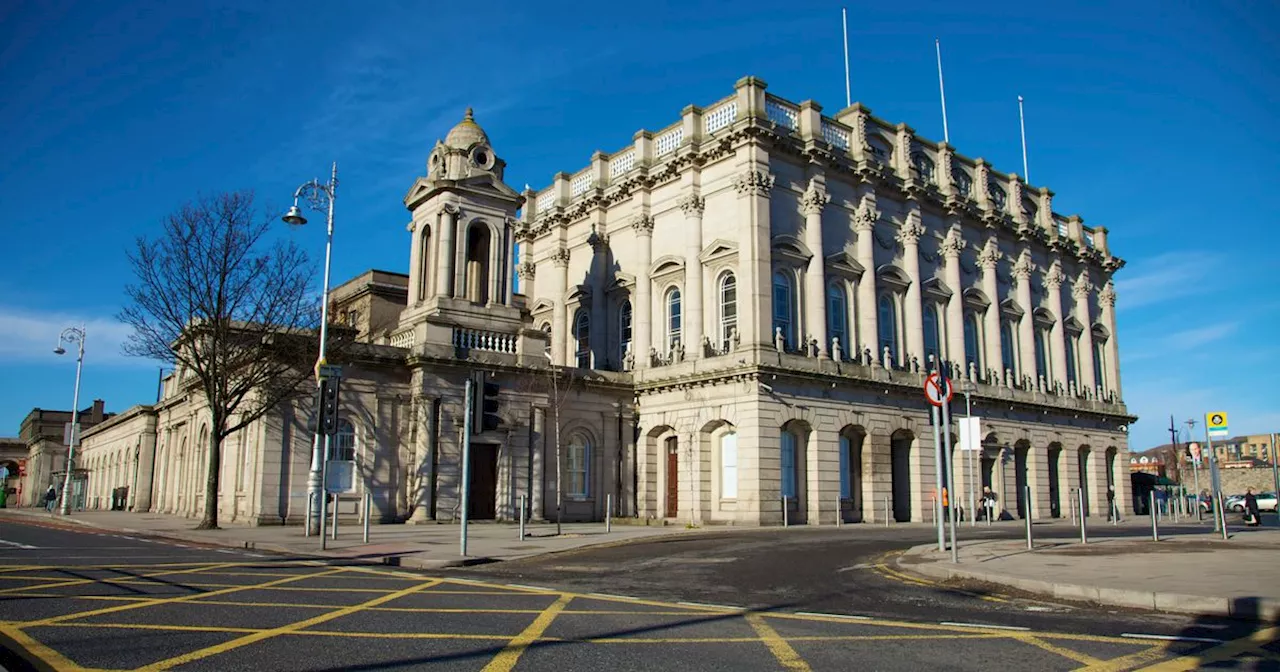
x=465, y=152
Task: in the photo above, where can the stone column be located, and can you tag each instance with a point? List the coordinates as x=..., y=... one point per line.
x=626, y=505
x=424, y=428
x=444, y=255
x=599, y=330
x=693, y=206
x=1026, y=329
x=1084, y=359
x=538, y=449
x=1053, y=286
x=527, y=270
x=755, y=256
x=417, y=283
x=642, y=307
x=1111, y=368
x=988, y=258
x=951, y=248
x=864, y=223
x=560, y=337
x=815, y=295
x=912, y=312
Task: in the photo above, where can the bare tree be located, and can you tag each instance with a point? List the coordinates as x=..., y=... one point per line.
x=228, y=309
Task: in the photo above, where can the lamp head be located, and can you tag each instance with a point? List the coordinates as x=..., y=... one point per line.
x=59, y=350
x=294, y=216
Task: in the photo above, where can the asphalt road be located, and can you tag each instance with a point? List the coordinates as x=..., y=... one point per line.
x=761, y=599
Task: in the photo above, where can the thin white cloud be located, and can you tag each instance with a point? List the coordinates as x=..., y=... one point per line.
x=1166, y=277
x=30, y=336
x=1148, y=346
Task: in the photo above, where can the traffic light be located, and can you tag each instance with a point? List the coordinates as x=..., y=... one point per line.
x=329, y=406
x=486, y=406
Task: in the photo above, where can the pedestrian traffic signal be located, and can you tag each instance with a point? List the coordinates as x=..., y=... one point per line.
x=486, y=407
x=329, y=406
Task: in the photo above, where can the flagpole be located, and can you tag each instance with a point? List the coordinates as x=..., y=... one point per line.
x=848, y=94
x=1022, y=122
x=946, y=135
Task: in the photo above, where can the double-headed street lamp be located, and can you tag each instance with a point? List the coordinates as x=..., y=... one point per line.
x=320, y=196
x=71, y=335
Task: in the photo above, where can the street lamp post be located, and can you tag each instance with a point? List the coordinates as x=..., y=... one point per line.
x=968, y=387
x=320, y=196
x=71, y=335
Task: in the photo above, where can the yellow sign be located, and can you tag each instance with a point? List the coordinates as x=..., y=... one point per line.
x=1216, y=420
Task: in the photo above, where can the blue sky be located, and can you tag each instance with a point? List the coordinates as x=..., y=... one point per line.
x=1154, y=119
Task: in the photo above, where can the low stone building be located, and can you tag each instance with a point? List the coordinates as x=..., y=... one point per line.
x=44, y=433
x=727, y=316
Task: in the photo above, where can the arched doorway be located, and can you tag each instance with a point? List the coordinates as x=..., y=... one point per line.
x=900, y=470
x=851, y=441
x=1021, y=450
x=477, y=269
x=671, y=465
x=1055, y=487
x=793, y=448
x=1082, y=465
x=1113, y=499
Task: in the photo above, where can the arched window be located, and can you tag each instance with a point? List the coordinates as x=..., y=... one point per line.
x=582, y=338
x=788, y=455
x=578, y=467
x=343, y=446
x=477, y=277
x=932, y=345
x=1099, y=360
x=728, y=310
x=972, y=341
x=673, y=316
x=729, y=465
x=838, y=318
x=887, y=323
x=624, y=330
x=1009, y=346
x=783, y=309
x=424, y=267
x=1042, y=353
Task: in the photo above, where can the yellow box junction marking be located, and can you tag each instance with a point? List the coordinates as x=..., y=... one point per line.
x=510, y=654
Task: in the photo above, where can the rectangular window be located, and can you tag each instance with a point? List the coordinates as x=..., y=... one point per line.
x=579, y=457
x=729, y=466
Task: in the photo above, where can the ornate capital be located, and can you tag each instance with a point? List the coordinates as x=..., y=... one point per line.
x=1055, y=277
x=865, y=218
x=952, y=244
x=598, y=240
x=814, y=199
x=560, y=257
x=1107, y=296
x=643, y=224
x=450, y=209
x=1023, y=267
x=693, y=205
x=1082, y=287
x=911, y=230
x=990, y=254
x=526, y=270
x=753, y=182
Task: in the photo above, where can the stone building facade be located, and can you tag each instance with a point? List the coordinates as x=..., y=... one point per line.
x=730, y=315
x=43, y=432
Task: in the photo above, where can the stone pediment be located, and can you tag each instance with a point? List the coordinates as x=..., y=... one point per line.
x=842, y=263
x=666, y=264
x=622, y=282
x=540, y=306
x=483, y=185
x=579, y=293
x=717, y=249
x=937, y=288
x=785, y=245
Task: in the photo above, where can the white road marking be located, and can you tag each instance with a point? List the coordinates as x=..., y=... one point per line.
x=850, y=616
x=545, y=590
x=980, y=625
x=615, y=597
x=713, y=606
x=1171, y=638
x=15, y=544
x=864, y=565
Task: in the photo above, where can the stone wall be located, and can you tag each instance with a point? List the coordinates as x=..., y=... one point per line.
x=1234, y=481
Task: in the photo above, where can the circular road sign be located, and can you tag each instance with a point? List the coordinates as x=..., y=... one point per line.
x=934, y=392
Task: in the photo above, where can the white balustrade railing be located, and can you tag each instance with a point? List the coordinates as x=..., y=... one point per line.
x=721, y=116
x=580, y=184
x=546, y=200
x=781, y=114
x=622, y=163
x=669, y=141
x=1063, y=231
x=402, y=339
x=478, y=339
x=838, y=137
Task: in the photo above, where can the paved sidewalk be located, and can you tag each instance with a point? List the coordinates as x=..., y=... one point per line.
x=1196, y=573
x=428, y=546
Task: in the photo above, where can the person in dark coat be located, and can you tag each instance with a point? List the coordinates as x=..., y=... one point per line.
x=1251, y=508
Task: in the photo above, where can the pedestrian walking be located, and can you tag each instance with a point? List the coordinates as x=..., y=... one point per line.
x=1111, y=501
x=988, y=502
x=1251, y=509
x=50, y=498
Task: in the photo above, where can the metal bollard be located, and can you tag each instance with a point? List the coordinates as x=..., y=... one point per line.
x=608, y=513
x=1222, y=512
x=1074, y=508
x=1027, y=518
x=306, y=522
x=1084, y=534
x=368, y=503
x=785, y=522
x=886, y=512
x=991, y=511
x=335, y=517
x=838, y=512
x=522, y=510
x=1155, y=525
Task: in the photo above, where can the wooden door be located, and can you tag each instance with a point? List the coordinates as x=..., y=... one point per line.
x=673, y=478
x=484, y=482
